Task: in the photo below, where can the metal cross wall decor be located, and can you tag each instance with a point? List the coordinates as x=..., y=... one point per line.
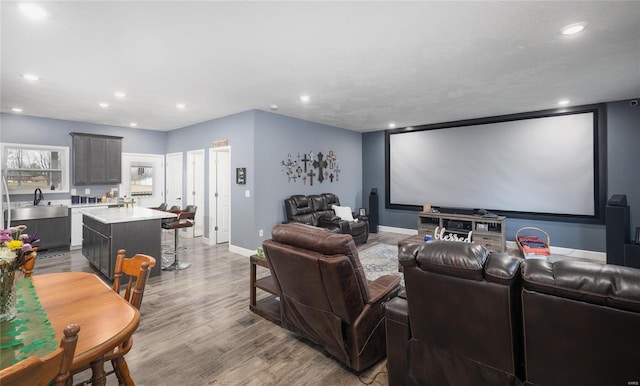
x=308, y=165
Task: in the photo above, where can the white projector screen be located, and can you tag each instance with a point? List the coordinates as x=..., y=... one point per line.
x=542, y=165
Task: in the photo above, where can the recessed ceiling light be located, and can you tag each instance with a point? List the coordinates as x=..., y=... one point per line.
x=133, y=124
x=573, y=28
x=120, y=94
x=273, y=107
x=104, y=105
x=31, y=77
x=392, y=125
x=33, y=11
x=563, y=102
x=181, y=106
x=305, y=98
x=16, y=109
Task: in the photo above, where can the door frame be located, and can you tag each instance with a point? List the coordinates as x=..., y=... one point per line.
x=213, y=180
x=195, y=197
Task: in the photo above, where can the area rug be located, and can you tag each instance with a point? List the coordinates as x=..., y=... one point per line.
x=379, y=260
x=48, y=254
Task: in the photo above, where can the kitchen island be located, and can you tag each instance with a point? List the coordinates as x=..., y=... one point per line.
x=136, y=229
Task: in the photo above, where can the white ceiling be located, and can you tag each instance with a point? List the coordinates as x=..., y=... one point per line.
x=364, y=64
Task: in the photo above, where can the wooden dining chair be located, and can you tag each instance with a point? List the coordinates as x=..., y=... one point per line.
x=134, y=272
x=52, y=368
x=27, y=267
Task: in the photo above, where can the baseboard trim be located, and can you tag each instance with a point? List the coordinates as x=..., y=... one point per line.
x=242, y=251
x=403, y=231
x=600, y=257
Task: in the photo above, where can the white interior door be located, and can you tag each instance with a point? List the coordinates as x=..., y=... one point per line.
x=220, y=194
x=174, y=180
x=195, y=188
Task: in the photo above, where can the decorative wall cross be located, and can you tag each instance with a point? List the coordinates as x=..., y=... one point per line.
x=305, y=160
x=311, y=174
x=332, y=159
x=320, y=164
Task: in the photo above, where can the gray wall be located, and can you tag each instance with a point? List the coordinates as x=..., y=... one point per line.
x=55, y=132
x=238, y=130
x=623, y=142
x=276, y=136
x=259, y=141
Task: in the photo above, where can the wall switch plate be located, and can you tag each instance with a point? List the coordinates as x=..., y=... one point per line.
x=247, y=193
x=87, y=191
x=260, y=233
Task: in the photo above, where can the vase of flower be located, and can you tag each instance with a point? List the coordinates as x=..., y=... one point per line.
x=16, y=248
x=7, y=295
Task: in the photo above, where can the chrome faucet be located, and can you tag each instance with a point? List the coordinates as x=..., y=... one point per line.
x=37, y=196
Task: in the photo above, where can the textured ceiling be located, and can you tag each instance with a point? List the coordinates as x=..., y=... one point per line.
x=364, y=64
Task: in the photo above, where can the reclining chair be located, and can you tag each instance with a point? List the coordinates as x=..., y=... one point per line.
x=459, y=322
x=317, y=210
x=324, y=294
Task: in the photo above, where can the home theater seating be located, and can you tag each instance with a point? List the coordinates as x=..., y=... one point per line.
x=470, y=317
x=325, y=295
x=317, y=210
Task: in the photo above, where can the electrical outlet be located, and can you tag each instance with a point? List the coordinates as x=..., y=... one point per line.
x=247, y=193
x=260, y=233
x=87, y=191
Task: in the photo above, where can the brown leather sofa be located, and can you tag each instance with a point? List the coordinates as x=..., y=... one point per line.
x=493, y=319
x=459, y=323
x=581, y=323
x=325, y=296
x=316, y=210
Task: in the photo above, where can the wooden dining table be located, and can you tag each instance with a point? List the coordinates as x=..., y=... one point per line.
x=105, y=318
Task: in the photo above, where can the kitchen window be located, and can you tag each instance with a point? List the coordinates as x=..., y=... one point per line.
x=27, y=167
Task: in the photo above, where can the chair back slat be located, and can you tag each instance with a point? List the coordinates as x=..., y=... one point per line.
x=136, y=269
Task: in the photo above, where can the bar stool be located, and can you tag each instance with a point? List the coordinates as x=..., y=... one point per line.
x=185, y=219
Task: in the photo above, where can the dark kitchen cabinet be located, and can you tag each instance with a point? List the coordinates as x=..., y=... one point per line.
x=97, y=159
x=53, y=233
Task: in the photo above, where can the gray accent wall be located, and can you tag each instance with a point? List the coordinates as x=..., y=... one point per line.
x=623, y=142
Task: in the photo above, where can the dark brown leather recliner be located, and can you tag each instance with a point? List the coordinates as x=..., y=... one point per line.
x=581, y=323
x=316, y=210
x=325, y=296
x=460, y=321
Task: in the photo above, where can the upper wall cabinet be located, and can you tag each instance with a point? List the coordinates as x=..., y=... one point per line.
x=97, y=159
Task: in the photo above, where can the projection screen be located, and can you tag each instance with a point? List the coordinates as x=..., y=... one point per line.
x=530, y=165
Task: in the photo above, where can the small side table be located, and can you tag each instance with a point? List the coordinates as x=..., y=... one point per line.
x=268, y=307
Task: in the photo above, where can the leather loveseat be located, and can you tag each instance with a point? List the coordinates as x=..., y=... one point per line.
x=317, y=210
x=476, y=318
x=325, y=295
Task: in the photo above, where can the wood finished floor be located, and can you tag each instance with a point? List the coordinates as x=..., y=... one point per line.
x=197, y=329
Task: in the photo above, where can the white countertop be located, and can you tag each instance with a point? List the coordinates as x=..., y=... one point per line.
x=125, y=214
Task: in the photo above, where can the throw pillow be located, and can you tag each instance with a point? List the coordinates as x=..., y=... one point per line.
x=344, y=212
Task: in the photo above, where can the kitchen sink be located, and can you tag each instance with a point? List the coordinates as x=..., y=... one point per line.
x=35, y=212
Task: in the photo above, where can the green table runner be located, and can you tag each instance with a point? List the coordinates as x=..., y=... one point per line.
x=30, y=332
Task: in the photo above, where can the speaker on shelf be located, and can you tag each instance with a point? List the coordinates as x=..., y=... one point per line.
x=618, y=200
x=617, y=233
x=373, y=211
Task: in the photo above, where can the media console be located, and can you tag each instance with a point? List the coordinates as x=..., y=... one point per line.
x=488, y=231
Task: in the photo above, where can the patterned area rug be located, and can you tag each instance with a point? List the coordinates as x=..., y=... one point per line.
x=380, y=259
x=48, y=254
